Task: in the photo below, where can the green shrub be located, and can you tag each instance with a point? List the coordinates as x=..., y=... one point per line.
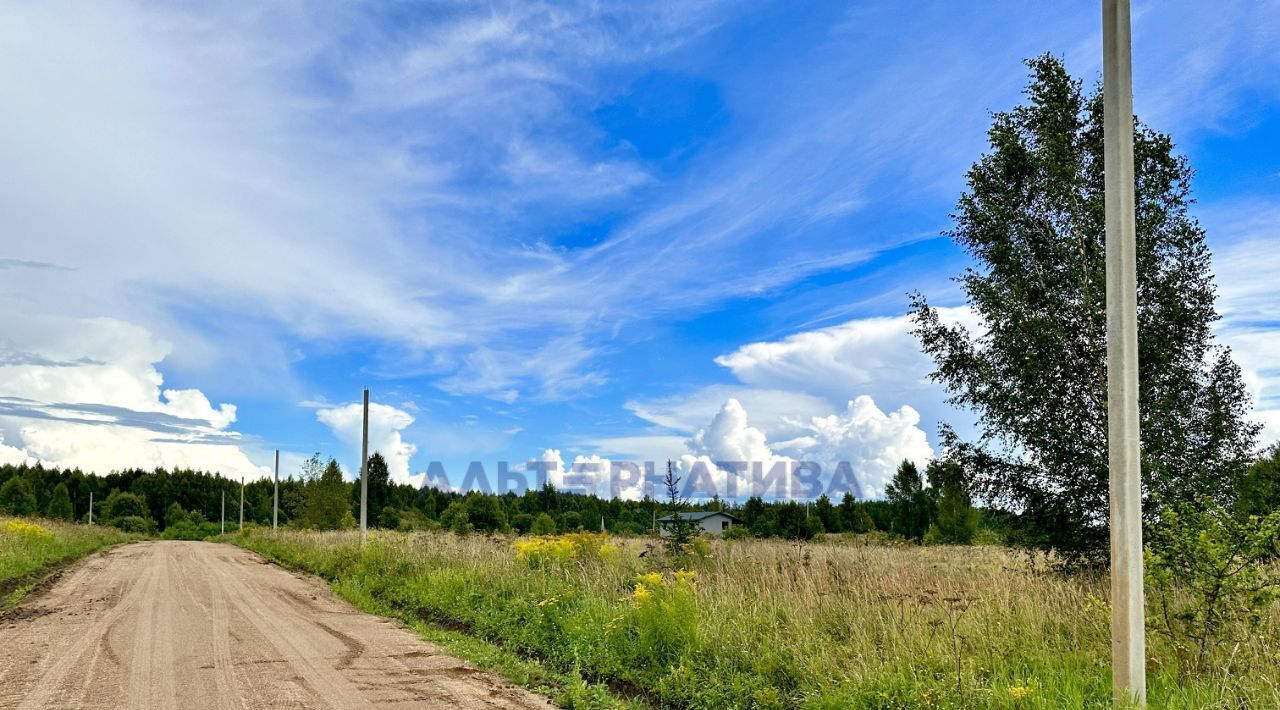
x=133, y=524
x=522, y=523
x=124, y=505
x=543, y=525
x=1212, y=576
x=737, y=532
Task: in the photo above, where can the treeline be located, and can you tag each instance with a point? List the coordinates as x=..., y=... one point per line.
x=932, y=506
x=188, y=503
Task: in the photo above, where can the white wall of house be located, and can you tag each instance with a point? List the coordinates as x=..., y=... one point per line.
x=712, y=524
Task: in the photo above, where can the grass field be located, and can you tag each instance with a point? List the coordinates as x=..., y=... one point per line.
x=32, y=549
x=772, y=624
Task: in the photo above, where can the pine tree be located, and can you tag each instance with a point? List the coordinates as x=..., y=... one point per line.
x=1033, y=222
x=913, y=504
x=854, y=517
x=60, y=507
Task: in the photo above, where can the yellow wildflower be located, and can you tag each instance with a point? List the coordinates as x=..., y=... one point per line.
x=25, y=529
x=641, y=594
x=686, y=576
x=652, y=579
x=1020, y=692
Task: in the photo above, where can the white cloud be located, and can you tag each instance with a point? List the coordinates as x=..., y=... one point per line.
x=873, y=442
x=13, y=455
x=872, y=356
x=1245, y=263
x=86, y=393
x=591, y=473
x=385, y=424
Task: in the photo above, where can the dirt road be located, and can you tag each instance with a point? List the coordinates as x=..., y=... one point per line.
x=191, y=625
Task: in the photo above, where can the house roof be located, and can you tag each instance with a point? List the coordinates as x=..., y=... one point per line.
x=697, y=515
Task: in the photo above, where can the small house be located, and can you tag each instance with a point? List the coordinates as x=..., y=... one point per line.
x=714, y=522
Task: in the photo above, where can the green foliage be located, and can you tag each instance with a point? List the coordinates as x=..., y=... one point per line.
x=174, y=515
x=913, y=507
x=522, y=523
x=325, y=501
x=120, y=505
x=737, y=532
x=854, y=517
x=60, y=507
x=828, y=515
x=1260, y=489
x=380, y=490
x=1212, y=575
x=679, y=530
x=570, y=521
x=956, y=520
x=133, y=524
x=16, y=497
x=485, y=513
x=388, y=518
x=543, y=525
x=1032, y=220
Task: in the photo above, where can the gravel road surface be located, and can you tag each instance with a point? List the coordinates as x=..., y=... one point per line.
x=192, y=625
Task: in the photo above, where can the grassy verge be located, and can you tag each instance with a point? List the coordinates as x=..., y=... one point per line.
x=770, y=624
x=32, y=550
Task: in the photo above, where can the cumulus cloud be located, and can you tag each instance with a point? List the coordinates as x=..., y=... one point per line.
x=385, y=426
x=871, y=441
x=738, y=457
x=591, y=474
x=878, y=357
x=86, y=393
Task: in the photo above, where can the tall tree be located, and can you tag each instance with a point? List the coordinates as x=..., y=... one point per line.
x=1034, y=372
x=325, y=503
x=380, y=488
x=911, y=502
x=60, y=504
x=853, y=515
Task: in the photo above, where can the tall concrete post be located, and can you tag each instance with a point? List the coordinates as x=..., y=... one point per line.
x=242, y=502
x=91, y=507
x=223, y=520
x=1128, y=643
x=364, y=471
x=275, y=503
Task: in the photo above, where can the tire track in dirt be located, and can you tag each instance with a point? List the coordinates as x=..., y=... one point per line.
x=194, y=625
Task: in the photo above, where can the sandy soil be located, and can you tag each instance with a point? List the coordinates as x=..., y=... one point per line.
x=193, y=625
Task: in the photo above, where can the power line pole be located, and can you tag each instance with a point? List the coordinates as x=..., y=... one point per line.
x=91, y=507
x=275, y=503
x=1128, y=644
x=223, y=521
x=364, y=471
x=242, y=502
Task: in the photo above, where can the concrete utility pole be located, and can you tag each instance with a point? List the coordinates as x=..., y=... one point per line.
x=91, y=507
x=242, y=502
x=364, y=471
x=275, y=504
x=223, y=521
x=1128, y=642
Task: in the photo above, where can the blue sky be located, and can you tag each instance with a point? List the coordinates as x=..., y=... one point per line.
x=594, y=228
